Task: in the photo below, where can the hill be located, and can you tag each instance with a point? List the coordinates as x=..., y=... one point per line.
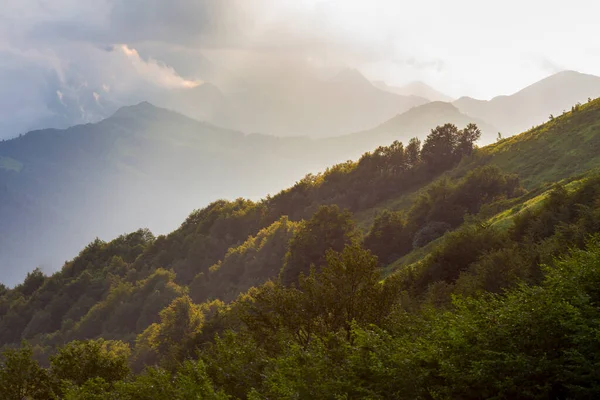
x=55, y=181
x=532, y=105
x=415, y=122
x=570, y=146
x=143, y=166
x=489, y=253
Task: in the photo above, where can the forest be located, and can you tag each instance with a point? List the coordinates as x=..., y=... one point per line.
x=433, y=270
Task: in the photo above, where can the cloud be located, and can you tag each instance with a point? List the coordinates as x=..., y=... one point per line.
x=132, y=50
x=154, y=71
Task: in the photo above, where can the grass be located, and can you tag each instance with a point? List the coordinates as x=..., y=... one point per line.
x=566, y=146
x=559, y=150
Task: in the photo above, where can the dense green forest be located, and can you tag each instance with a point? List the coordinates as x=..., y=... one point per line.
x=433, y=270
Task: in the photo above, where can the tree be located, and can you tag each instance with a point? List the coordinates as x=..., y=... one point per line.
x=396, y=157
x=21, y=377
x=388, y=238
x=179, y=323
x=328, y=228
x=413, y=152
x=466, y=139
x=350, y=288
x=438, y=151
x=79, y=361
x=32, y=282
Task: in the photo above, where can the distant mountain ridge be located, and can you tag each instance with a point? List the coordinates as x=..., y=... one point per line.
x=416, y=122
x=55, y=183
x=534, y=104
x=415, y=88
x=300, y=104
x=143, y=166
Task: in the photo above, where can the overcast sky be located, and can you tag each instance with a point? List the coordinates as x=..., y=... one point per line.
x=91, y=54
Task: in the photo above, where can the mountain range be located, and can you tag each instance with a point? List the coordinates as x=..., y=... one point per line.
x=467, y=258
x=158, y=164
x=148, y=166
x=300, y=104
x=534, y=104
x=295, y=102
x=416, y=88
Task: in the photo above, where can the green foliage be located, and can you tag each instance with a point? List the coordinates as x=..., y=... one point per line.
x=564, y=147
x=477, y=316
x=21, y=377
x=389, y=237
x=77, y=362
x=438, y=151
x=446, y=144
x=116, y=289
x=532, y=342
x=328, y=228
x=440, y=208
x=190, y=381
x=346, y=290
x=235, y=362
x=179, y=323
x=250, y=264
x=33, y=281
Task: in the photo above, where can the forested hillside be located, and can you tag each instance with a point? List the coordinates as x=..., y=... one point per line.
x=148, y=167
x=430, y=269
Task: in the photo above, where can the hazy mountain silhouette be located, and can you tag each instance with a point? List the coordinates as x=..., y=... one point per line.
x=533, y=104
x=296, y=102
x=417, y=122
x=416, y=88
x=144, y=166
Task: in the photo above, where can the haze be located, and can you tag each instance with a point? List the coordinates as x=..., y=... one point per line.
x=162, y=107
x=71, y=61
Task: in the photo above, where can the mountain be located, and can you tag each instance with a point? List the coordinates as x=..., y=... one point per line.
x=416, y=88
x=143, y=166
x=416, y=122
x=295, y=102
x=146, y=166
x=534, y=104
x=455, y=287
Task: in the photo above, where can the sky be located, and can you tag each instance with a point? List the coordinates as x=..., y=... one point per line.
x=72, y=60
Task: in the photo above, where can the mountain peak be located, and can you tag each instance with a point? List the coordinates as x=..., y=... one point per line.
x=568, y=81
x=141, y=109
x=351, y=76
x=415, y=88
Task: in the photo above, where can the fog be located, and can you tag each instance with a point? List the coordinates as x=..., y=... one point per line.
x=284, y=88
x=66, y=61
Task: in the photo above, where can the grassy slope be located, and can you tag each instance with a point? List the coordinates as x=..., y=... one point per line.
x=564, y=150
x=567, y=146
